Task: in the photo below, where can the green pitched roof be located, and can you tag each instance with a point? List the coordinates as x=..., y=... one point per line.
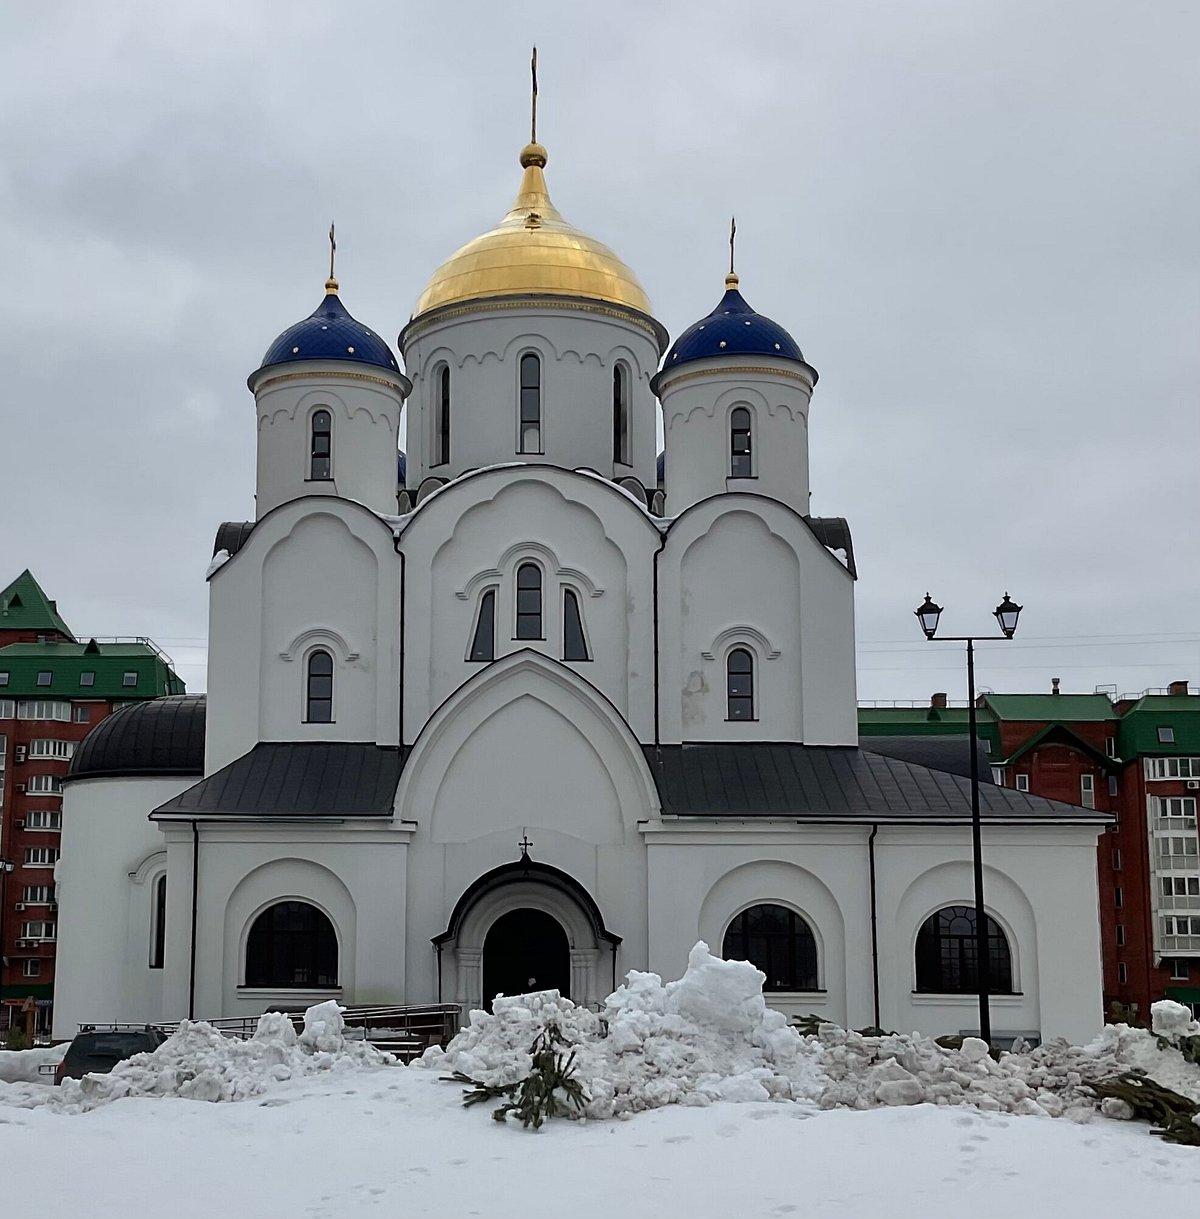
x=1051, y=707
x=927, y=721
x=24, y=607
x=91, y=670
x=1138, y=731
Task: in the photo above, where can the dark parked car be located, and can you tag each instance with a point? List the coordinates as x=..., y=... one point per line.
x=98, y=1050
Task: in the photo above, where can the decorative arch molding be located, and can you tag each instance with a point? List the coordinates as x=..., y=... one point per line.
x=319, y=635
x=756, y=400
x=733, y=635
x=520, y=674
x=529, y=550
x=527, y=882
x=952, y=884
x=289, y=878
x=780, y=882
x=152, y=864
x=334, y=402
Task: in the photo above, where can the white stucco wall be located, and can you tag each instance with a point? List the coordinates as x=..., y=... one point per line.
x=317, y=572
x=111, y=857
x=364, y=403
x=579, y=345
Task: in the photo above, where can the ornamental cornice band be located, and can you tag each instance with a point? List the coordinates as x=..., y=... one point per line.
x=726, y=370
x=333, y=376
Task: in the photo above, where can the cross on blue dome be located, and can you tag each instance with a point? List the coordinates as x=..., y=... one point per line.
x=330, y=333
x=733, y=328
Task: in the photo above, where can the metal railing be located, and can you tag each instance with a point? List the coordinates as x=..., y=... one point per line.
x=406, y=1030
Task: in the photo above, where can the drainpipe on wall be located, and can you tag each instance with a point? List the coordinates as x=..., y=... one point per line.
x=874, y=926
x=662, y=543
x=195, y=900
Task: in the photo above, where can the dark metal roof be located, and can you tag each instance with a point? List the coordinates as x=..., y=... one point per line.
x=733, y=328
x=950, y=753
x=286, y=779
x=833, y=532
x=161, y=736
x=830, y=783
x=231, y=536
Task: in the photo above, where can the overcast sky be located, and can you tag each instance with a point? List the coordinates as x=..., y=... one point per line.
x=979, y=220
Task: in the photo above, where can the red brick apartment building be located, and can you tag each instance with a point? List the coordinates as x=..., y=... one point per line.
x=1136, y=756
x=53, y=690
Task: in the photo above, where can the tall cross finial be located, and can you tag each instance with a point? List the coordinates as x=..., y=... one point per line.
x=732, y=235
x=331, y=284
x=525, y=843
x=533, y=106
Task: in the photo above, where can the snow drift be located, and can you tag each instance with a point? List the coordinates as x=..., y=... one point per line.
x=710, y=1036
x=200, y=1063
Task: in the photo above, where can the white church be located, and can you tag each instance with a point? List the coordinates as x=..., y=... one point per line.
x=532, y=704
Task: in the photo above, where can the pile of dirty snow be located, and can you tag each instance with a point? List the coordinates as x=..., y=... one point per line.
x=200, y=1063
x=710, y=1036
x=24, y=1066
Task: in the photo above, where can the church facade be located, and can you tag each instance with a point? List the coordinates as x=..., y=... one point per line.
x=538, y=705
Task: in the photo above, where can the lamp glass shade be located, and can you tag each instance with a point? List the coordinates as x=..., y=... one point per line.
x=928, y=614
x=1007, y=613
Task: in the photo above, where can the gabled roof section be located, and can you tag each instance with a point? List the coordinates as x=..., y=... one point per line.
x=1139, y=728
x=24, y=607
x=1091, y=708
x=834, y=783
x=295, y=780
x=124, y=670
x=1060, y=734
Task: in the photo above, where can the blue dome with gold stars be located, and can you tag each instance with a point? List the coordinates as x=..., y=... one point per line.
x=330, y=333
x=733, y=328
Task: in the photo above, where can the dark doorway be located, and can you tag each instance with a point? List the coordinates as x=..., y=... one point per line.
x=525, y=950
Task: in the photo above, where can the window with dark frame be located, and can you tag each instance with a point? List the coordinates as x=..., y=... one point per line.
x=947, y=959
x=529, y=601
x=483, y=643
x=319, y=695
x=779, y=942
x=531, y=403
x=292, y=944
x=574, y=644
x=739, y=684
x=158, y=928
x=441, y=452
x=740, y=465
x=321, y=461
x=621, y=415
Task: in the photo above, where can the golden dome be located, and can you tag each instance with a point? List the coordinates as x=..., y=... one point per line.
x=533, y=251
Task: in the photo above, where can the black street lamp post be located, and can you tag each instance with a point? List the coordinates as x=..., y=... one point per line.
x=1006, y=614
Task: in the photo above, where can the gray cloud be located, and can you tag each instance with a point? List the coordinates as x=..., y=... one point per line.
x=977, y=218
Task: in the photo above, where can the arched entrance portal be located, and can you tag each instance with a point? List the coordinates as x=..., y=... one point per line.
x=525, y=920
x=525, y=950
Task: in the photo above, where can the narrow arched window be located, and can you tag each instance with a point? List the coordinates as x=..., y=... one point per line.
x=158, y=923
x=321, y=459
x=739, y=684
x=739, y=443
x=777, y=941
x=319, y=696
x=531, y=403
x=621, y=414
x=483, y=642
x=947, y=954
x=574, y=644
x=441, y=438
x=292, y=944
x=529, y=601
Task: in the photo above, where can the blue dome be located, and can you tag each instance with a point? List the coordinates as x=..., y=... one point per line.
x=330, y=333
x=732, y=329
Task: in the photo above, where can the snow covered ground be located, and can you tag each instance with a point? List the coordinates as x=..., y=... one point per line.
x=396, y=1142
x=720, y=1109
